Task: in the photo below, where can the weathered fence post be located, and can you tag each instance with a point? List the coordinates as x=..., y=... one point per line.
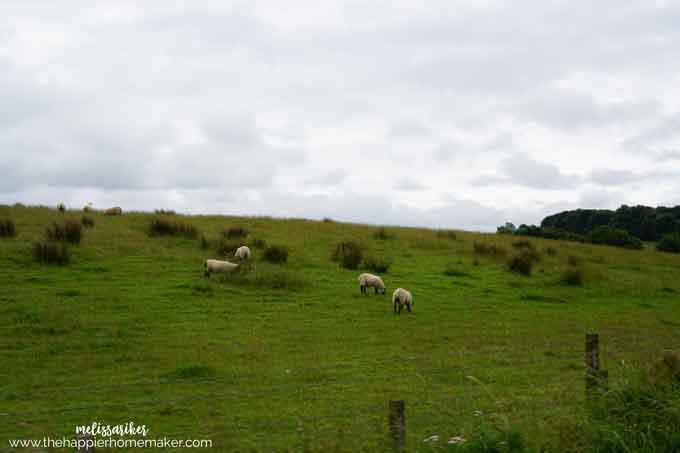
x=596, y=379
x=85, y=443
x=397, y=424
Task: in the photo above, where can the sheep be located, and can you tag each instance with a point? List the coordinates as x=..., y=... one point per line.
x=370, y=280
x=114, y=211
x=242, y=253
x=401, y=297
x=218, y=266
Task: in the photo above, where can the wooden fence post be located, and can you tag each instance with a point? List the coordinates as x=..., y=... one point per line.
x=596, y=379
x=85, y=443
x=397, y=424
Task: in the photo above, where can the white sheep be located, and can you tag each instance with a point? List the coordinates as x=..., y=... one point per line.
x=218, y=266
x=371, y=281
x=401, y=297
x=242, y=253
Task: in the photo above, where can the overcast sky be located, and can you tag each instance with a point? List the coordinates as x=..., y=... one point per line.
x=442, y=113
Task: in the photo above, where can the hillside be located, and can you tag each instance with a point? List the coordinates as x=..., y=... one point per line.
x=291, y=357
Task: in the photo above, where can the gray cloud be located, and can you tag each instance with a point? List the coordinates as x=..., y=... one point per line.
x=216, y=106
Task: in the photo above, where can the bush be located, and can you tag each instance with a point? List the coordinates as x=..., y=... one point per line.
x=165, y=212
x=573, y=276
x=7, y=228
x=87, y=221
x=377, y=264
x=164, y=227
x=482, y=248
x=235, y=232
x=69, y=231
x=51, y=252
x=669, y=243
x=349, y=254
x=446, y=234
x=382, y=233
x=275, y=254
x=606, y=235
x=258, y=243
x=521, y=262
x=61, y=207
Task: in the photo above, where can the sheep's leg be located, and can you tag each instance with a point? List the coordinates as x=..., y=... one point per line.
x=408, y=306
x=395, y=308
x=376, y=289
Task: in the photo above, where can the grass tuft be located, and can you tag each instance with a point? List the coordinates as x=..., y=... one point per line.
x=51, y=252
x=165, y=227
x=70, y=231
x=275, y=254
x=7, y=228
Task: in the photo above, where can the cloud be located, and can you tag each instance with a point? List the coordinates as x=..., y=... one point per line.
x=219, y=106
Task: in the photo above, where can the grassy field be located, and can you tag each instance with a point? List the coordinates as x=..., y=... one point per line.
x=295, y=358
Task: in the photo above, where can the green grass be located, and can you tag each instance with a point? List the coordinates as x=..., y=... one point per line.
x=292, y=357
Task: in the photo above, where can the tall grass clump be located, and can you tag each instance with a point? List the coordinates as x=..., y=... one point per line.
x=165, y=227
x=527, y=247
x=573, y=275
x=641, y=416
x=165, y=212
x=7, y=228
x=258, y=243
x=382, y=233
x=349, y=254
x=235, y=232
x=484, y=248
x=377, y=264
x=49, y=252
x=61, y=207
x=227, y=247
x=205, y=244
x=522, y=262
x=446, y=234
x=275, y=254
x=87, y=221
x=266, y=276
x=70, y=231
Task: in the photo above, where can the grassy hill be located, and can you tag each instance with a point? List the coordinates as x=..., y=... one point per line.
x=293, y=357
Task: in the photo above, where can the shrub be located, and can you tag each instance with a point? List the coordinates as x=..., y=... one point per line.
x=164, y=227
x=275, y=254
x=382, y=233
x=165, y=212
x=349, y=254
x=87, y=221
x=377, y=264
x=482, y=248
x=51, y=252
x=69, y=231
x=606, y=235
x=61, y=207
x=446, y=234
x=235, y=232
x=7, y=228
x=521, y=262
x=573, y=276
x=258, y=243
x=669, y=243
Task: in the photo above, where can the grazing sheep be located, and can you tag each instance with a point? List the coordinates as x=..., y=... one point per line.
x=242, y=253
x=218, y=266
x=401, y=297
x=371, y=281
x=114, y=211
